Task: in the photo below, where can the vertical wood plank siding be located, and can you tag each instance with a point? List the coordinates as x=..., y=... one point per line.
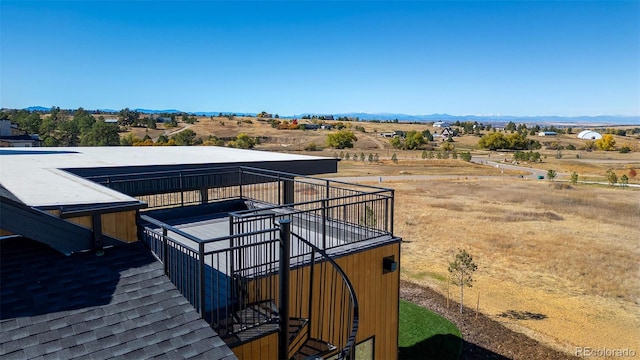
x=119, y=225
x=265, y=347
x=377, y=295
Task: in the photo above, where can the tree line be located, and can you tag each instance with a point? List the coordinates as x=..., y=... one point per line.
x=63, y=128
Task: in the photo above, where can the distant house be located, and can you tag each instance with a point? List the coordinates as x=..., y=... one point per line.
x=111, y=121
x=20, y=141
x=441, y=124
x=589, y=135
x=449, y=132
x=9, y=129
x=327, y=117
x=11, y=136
x=397, y=133
x=547, y=133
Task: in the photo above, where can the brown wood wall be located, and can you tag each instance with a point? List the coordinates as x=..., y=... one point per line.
x=377, y=295
x=119, y=225
x=264, y=348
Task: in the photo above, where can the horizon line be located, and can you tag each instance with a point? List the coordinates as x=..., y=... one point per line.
x=143, y=109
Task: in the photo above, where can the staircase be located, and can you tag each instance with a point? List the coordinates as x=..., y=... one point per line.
x=313, y=348
x=261, y=318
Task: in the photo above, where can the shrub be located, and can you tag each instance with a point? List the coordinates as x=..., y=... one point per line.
x=612, y=177
x=311, y=147
x=574, y=178
x=606, y=143
x=341, y=139
x=624, y=180
x=466, y=156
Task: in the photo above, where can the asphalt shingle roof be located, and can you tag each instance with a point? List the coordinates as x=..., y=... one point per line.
x=119, y=305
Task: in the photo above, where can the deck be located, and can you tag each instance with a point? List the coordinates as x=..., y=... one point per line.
x=342, y=239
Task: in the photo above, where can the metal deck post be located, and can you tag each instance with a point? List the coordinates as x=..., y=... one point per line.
x=285, y=264
x=201, y=276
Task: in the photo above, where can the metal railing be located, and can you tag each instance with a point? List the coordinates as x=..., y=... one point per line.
x=236, y=282
x=165, y=189
x=214, y=274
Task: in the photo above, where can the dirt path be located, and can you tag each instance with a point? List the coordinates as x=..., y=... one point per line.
x=172, y=132
x=381, y=144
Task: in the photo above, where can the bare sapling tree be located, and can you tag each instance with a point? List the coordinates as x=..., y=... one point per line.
x=461, y=270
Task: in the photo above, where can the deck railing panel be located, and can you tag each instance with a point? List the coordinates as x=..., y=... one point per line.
x=232, y=280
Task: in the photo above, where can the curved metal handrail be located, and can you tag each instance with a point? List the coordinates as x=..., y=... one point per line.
x=352, y=294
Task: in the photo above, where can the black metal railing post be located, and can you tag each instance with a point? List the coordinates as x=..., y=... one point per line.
x=201, y=280
x=324, y=224
x=280, y=184
x=232, y=252
x=392, y=206
x=240, y=181
x=386, y=213
x=285, y=268
x=165, y=251
x=311, y=282
x=181, y=190
x=327, y=192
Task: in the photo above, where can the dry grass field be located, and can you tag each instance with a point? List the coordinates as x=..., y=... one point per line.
x=557, y=262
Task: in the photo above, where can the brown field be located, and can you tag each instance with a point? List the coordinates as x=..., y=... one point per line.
x=568, y=254
x=558, y=263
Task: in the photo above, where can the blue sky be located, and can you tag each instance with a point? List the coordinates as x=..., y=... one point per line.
x=565, y=58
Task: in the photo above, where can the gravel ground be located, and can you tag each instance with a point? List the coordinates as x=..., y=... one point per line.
x=484, y=338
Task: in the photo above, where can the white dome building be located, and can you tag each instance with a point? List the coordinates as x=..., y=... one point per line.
x=589, y=135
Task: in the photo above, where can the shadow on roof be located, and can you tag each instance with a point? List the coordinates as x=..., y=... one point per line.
x=36, y=152
x=38, y=280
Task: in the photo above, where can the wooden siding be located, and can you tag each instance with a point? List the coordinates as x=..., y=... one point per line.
x=377, y=297
x=265, y=347
x=118, y=225
x=376, y=291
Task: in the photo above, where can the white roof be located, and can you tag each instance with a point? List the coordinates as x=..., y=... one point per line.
x=589, y=134
x=35, y=175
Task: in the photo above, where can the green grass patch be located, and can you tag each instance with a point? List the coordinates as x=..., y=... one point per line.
x=427, y=335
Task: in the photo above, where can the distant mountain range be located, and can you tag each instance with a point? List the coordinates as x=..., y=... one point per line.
x=493, y=119
x=558, y=120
